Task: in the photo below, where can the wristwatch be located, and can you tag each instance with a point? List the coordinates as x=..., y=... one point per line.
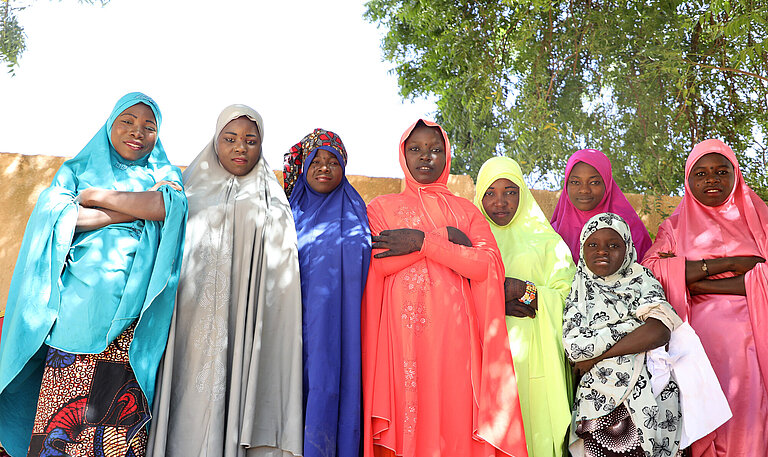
x=704, y=267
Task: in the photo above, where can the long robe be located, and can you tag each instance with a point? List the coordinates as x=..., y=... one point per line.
x=533, y=251
x=732, y=328
x=78, y=291
x=230, y=383
x=438, y=377
x=334, y=255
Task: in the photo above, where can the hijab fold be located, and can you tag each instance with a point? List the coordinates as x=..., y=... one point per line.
x=567, y=220
x=230, y=384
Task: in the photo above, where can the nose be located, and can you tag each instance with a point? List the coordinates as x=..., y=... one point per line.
x=711, y=178
x=240, y=145
x=584, y=189
x=136, y=130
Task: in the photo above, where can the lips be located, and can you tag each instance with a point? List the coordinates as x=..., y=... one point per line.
x=240, y=160
x=134, y=145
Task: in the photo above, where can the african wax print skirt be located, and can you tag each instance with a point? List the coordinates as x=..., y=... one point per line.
x=621, y=432
x=91, y=405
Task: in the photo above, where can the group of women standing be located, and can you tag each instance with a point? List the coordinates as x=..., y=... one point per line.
x=423, y=325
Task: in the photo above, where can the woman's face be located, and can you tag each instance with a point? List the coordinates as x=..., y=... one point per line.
x=425, y=154
x=585, y=187
x=711, y=179
x=604, y=252
x=501, y=200
x=324, y=172
x=134, y=132
x=239, y=146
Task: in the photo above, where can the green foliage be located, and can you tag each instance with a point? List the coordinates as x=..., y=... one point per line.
x=536, y=80
x=12, y=36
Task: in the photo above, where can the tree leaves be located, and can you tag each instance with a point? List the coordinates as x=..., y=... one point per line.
x=535, y=80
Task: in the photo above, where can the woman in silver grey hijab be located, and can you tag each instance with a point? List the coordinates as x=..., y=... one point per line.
x=230, y=384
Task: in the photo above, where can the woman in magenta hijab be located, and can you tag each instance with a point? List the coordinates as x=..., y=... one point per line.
x=709, y=256
x=589, y=189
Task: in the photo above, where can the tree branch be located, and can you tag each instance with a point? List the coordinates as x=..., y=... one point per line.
x=734, y=70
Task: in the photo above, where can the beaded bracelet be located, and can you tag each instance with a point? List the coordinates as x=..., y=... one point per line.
x=530, y=293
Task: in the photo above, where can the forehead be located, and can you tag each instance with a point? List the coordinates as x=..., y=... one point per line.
x=325, y=154
x=712, y=160
x=503, y=183
x=423, y=133
x=241, y=123
x=139, y=110
x=605, y=234
x=583, y=169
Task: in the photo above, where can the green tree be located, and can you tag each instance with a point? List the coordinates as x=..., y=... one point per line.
x=536, y=80
x=12, y=36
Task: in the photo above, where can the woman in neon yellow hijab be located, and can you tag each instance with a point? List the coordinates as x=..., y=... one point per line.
x=539, y=270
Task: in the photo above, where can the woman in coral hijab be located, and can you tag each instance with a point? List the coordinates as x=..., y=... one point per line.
x=437, y=369
x=709, y=256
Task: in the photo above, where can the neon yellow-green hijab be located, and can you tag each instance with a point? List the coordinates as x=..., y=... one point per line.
x=530, y=247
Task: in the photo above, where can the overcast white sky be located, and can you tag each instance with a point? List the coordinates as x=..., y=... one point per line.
x=301, y=63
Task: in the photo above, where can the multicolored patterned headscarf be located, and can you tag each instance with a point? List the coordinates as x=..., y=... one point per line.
x=293, y=160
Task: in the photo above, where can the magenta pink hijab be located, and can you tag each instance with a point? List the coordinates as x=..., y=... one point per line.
x=568, y=220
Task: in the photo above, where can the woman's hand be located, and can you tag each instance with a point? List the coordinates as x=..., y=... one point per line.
x=513, y=290
x=456, y=236
x=741, y=265
x=580, y=368
x=173, y=185
x=667, y=255
x=398, y=242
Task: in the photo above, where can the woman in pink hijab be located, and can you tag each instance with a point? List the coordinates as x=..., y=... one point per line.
x=589, y=189
x=709, y=256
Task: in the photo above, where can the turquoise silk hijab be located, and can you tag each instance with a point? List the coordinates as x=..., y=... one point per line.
x=78, y=291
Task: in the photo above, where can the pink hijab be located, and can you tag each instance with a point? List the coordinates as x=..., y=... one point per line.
x=568, y=220
x=737, y=227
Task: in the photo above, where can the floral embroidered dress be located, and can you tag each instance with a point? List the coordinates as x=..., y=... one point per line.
x=615, y=411
x=438, y=377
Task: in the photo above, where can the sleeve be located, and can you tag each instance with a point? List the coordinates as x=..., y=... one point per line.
x=669, y=271
x=469, y=262
x=654, y=303
x=388, y=265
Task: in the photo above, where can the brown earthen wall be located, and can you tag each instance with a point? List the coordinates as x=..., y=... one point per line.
x=24, y=177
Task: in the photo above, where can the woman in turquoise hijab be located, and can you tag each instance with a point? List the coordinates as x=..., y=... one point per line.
x=92, y=295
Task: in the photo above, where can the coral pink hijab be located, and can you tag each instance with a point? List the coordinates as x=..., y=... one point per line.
x=568, y=220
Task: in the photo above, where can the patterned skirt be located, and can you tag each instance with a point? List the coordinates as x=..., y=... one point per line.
x=612, y=435
x=90, y=405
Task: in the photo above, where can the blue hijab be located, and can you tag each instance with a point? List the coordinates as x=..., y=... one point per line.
x=78, y=291
x=334, y=255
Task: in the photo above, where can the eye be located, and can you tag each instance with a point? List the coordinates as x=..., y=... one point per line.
x=151, y=129
x=595, y=183
x=511, y=192
x=413, y=148
x=722, y=172
x=592, y=245
x=488, y=193
x=699, y=173
x=574, y=182
x=228, y=139
x=252, y=142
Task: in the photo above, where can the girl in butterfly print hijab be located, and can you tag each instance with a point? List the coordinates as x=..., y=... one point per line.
x=438, y=377
x=334, y=253
x=732, y=239
x=568, y=220
x=615, y=312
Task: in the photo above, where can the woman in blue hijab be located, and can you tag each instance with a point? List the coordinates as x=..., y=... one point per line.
x=334, y=255
x=92, y=295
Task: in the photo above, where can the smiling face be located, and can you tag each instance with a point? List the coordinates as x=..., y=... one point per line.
x=425, y=154
x=711, y=179
x=239, y=146
x=324, y=172
x=604, y=252
x=585, y=187
x=501, y=200
x=134, y=132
